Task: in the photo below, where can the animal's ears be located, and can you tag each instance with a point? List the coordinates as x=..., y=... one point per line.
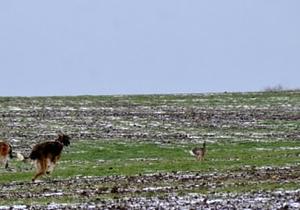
x=60, y=135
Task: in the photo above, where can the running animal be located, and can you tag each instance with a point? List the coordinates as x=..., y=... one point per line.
x=47, y=154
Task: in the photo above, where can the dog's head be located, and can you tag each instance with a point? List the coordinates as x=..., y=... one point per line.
x=64, y=139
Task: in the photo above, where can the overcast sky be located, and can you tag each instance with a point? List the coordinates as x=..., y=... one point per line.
x=104, y=47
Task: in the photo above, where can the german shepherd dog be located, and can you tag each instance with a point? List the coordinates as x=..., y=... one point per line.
x=5, y=153
x=47, y=154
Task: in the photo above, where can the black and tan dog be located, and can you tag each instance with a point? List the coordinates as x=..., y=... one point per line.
x=47, y=154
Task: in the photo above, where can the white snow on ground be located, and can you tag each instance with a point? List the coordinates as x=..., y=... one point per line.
x=277, y=148
x=52, y=194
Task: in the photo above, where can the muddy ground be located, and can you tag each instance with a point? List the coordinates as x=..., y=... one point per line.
x=26, y=121
x=162, y=191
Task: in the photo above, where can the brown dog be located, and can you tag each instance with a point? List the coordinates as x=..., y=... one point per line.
x=47, y=154
x=5, y=153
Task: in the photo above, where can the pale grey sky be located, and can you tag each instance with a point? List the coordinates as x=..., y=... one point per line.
x=96, y=47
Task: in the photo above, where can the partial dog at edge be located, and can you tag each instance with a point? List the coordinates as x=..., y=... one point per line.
x=5, y=153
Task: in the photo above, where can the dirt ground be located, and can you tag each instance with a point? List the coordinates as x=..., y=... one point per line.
x=25, y=122
x=162, y=191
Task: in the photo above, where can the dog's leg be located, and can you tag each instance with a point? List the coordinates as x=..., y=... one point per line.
x=51, y=166
x=38, y=169
x=52, y=163
x=6, y=163
x=1, y=161
x=43, y=165
x=55, y=159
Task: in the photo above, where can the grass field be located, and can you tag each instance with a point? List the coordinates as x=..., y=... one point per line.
x=114, y=157
x=136, y=147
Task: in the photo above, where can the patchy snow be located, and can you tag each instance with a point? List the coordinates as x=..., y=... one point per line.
x=277, y=148
x=52, y=194
x=14, y=108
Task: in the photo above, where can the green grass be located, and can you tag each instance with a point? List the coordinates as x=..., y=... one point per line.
x=234, y=146
x=205, y=100
x=116, y=157
x=113, y=157
x=43, y=200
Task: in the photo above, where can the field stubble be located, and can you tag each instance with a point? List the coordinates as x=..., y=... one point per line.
x=252, y=161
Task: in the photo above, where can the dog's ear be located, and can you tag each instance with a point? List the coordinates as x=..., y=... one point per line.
x=66, y=140
x=60, y=137
x=60, y=134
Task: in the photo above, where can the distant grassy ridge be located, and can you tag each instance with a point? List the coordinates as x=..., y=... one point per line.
x=272, y=98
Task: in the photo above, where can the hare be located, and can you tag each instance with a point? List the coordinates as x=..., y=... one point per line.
x=199, y=152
